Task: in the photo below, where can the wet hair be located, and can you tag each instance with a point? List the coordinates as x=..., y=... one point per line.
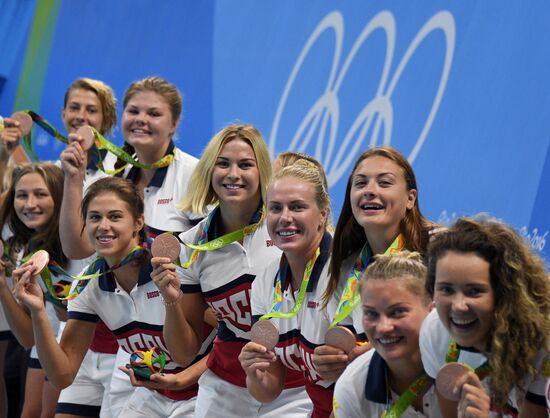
x=24, y=237
x=405, y=266
x=124, y=190
x=350, y=237
x=521, y=286
x=168, y=91
x=200, y=191
x=106, y=97
x=311, y=172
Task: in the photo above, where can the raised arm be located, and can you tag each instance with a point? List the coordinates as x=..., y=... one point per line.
x=60, y=361
x=183, y=326
x=73, y=161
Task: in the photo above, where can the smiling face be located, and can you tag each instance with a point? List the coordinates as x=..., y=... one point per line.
x=111, y=227
x=294, y=221
x=379, y=197
x=83, y=108
x=392, y=316
x=464, y=297
x=235, y=177
x=33, y=202
x=147, y=123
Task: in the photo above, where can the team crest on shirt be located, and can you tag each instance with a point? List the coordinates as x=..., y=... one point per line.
x=269, y=243
x=313, y=304
x=153, y=294
x=164, y=201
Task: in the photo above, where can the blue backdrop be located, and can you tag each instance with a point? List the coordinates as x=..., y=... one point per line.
x=461, y=88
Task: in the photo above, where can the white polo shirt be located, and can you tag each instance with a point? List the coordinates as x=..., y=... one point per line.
x=224, y=277
x=434, y=344
x=136, y=318
x=300, y=334
x=165, y=190
x=361, y=391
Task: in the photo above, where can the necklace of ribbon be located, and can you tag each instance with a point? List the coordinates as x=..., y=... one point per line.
x=100, y=143
x=62, y=292
x=453, y=352
x=204, y=245
x=351, y=298
x=275, y=311
x=407, y=398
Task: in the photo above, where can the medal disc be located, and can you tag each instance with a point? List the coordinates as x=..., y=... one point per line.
x=40, y=260
x=340, y=337
x=447, y=377
x=25, y=121
x=166, y=245
x=88, y=137
x=265, y=333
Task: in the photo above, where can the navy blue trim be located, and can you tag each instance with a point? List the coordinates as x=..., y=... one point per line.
x=137, y=326
x=77, y=409
x=94, y=157
x=160, y=173
x=34, y=363
x=225, y=334
x=191, y=288
x=255, y=318
x=154, y=232
x=245, y=278
x=214, y=227
x=536, y=399
x=375, y=388
x=6, y=335
x=81, y=316
x=145, y=270
x=290, y=335
x=324, y=254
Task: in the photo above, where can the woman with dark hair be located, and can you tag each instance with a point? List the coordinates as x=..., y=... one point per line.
x=31, y=213
x=380, y=215
x=123, y=297
x=492, y=299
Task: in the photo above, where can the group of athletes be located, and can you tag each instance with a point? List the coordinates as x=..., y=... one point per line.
x=259, y=263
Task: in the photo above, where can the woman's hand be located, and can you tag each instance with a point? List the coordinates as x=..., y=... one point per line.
x=26, y=289
x=330, y=362
x=255, y=360
x=73, y=157
x=157, y=380
x=474, y=400
x=165, y=277
x=10, y=135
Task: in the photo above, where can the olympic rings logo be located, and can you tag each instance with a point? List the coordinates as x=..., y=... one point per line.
x=323, y=116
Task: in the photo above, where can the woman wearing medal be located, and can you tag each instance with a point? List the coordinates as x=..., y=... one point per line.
x=31, y=212
x=390, y=381
x=380, y=215
x=492, y=300
x=149, y=158
x=289, y=292
x=123, y=296
x=222, y=256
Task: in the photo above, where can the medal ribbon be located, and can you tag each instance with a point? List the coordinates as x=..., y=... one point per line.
x=350, y=296
x=453, y=352
x=407, y=398
x=275, y=311
x=203, y=245
x=100, y=142
x=63, y=291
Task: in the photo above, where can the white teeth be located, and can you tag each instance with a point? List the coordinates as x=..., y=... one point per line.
x=232, y=186
x=138, y=131
x=104, y=239
x=286, y=233
x=371, y=206
x=389, y=340
x=463, y=321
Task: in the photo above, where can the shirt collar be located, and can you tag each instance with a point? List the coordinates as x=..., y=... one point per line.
x=160, y=173
x=107, y=281
x=324, y=253
x=94, y=157
x=214, y=227
x=375, y=387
